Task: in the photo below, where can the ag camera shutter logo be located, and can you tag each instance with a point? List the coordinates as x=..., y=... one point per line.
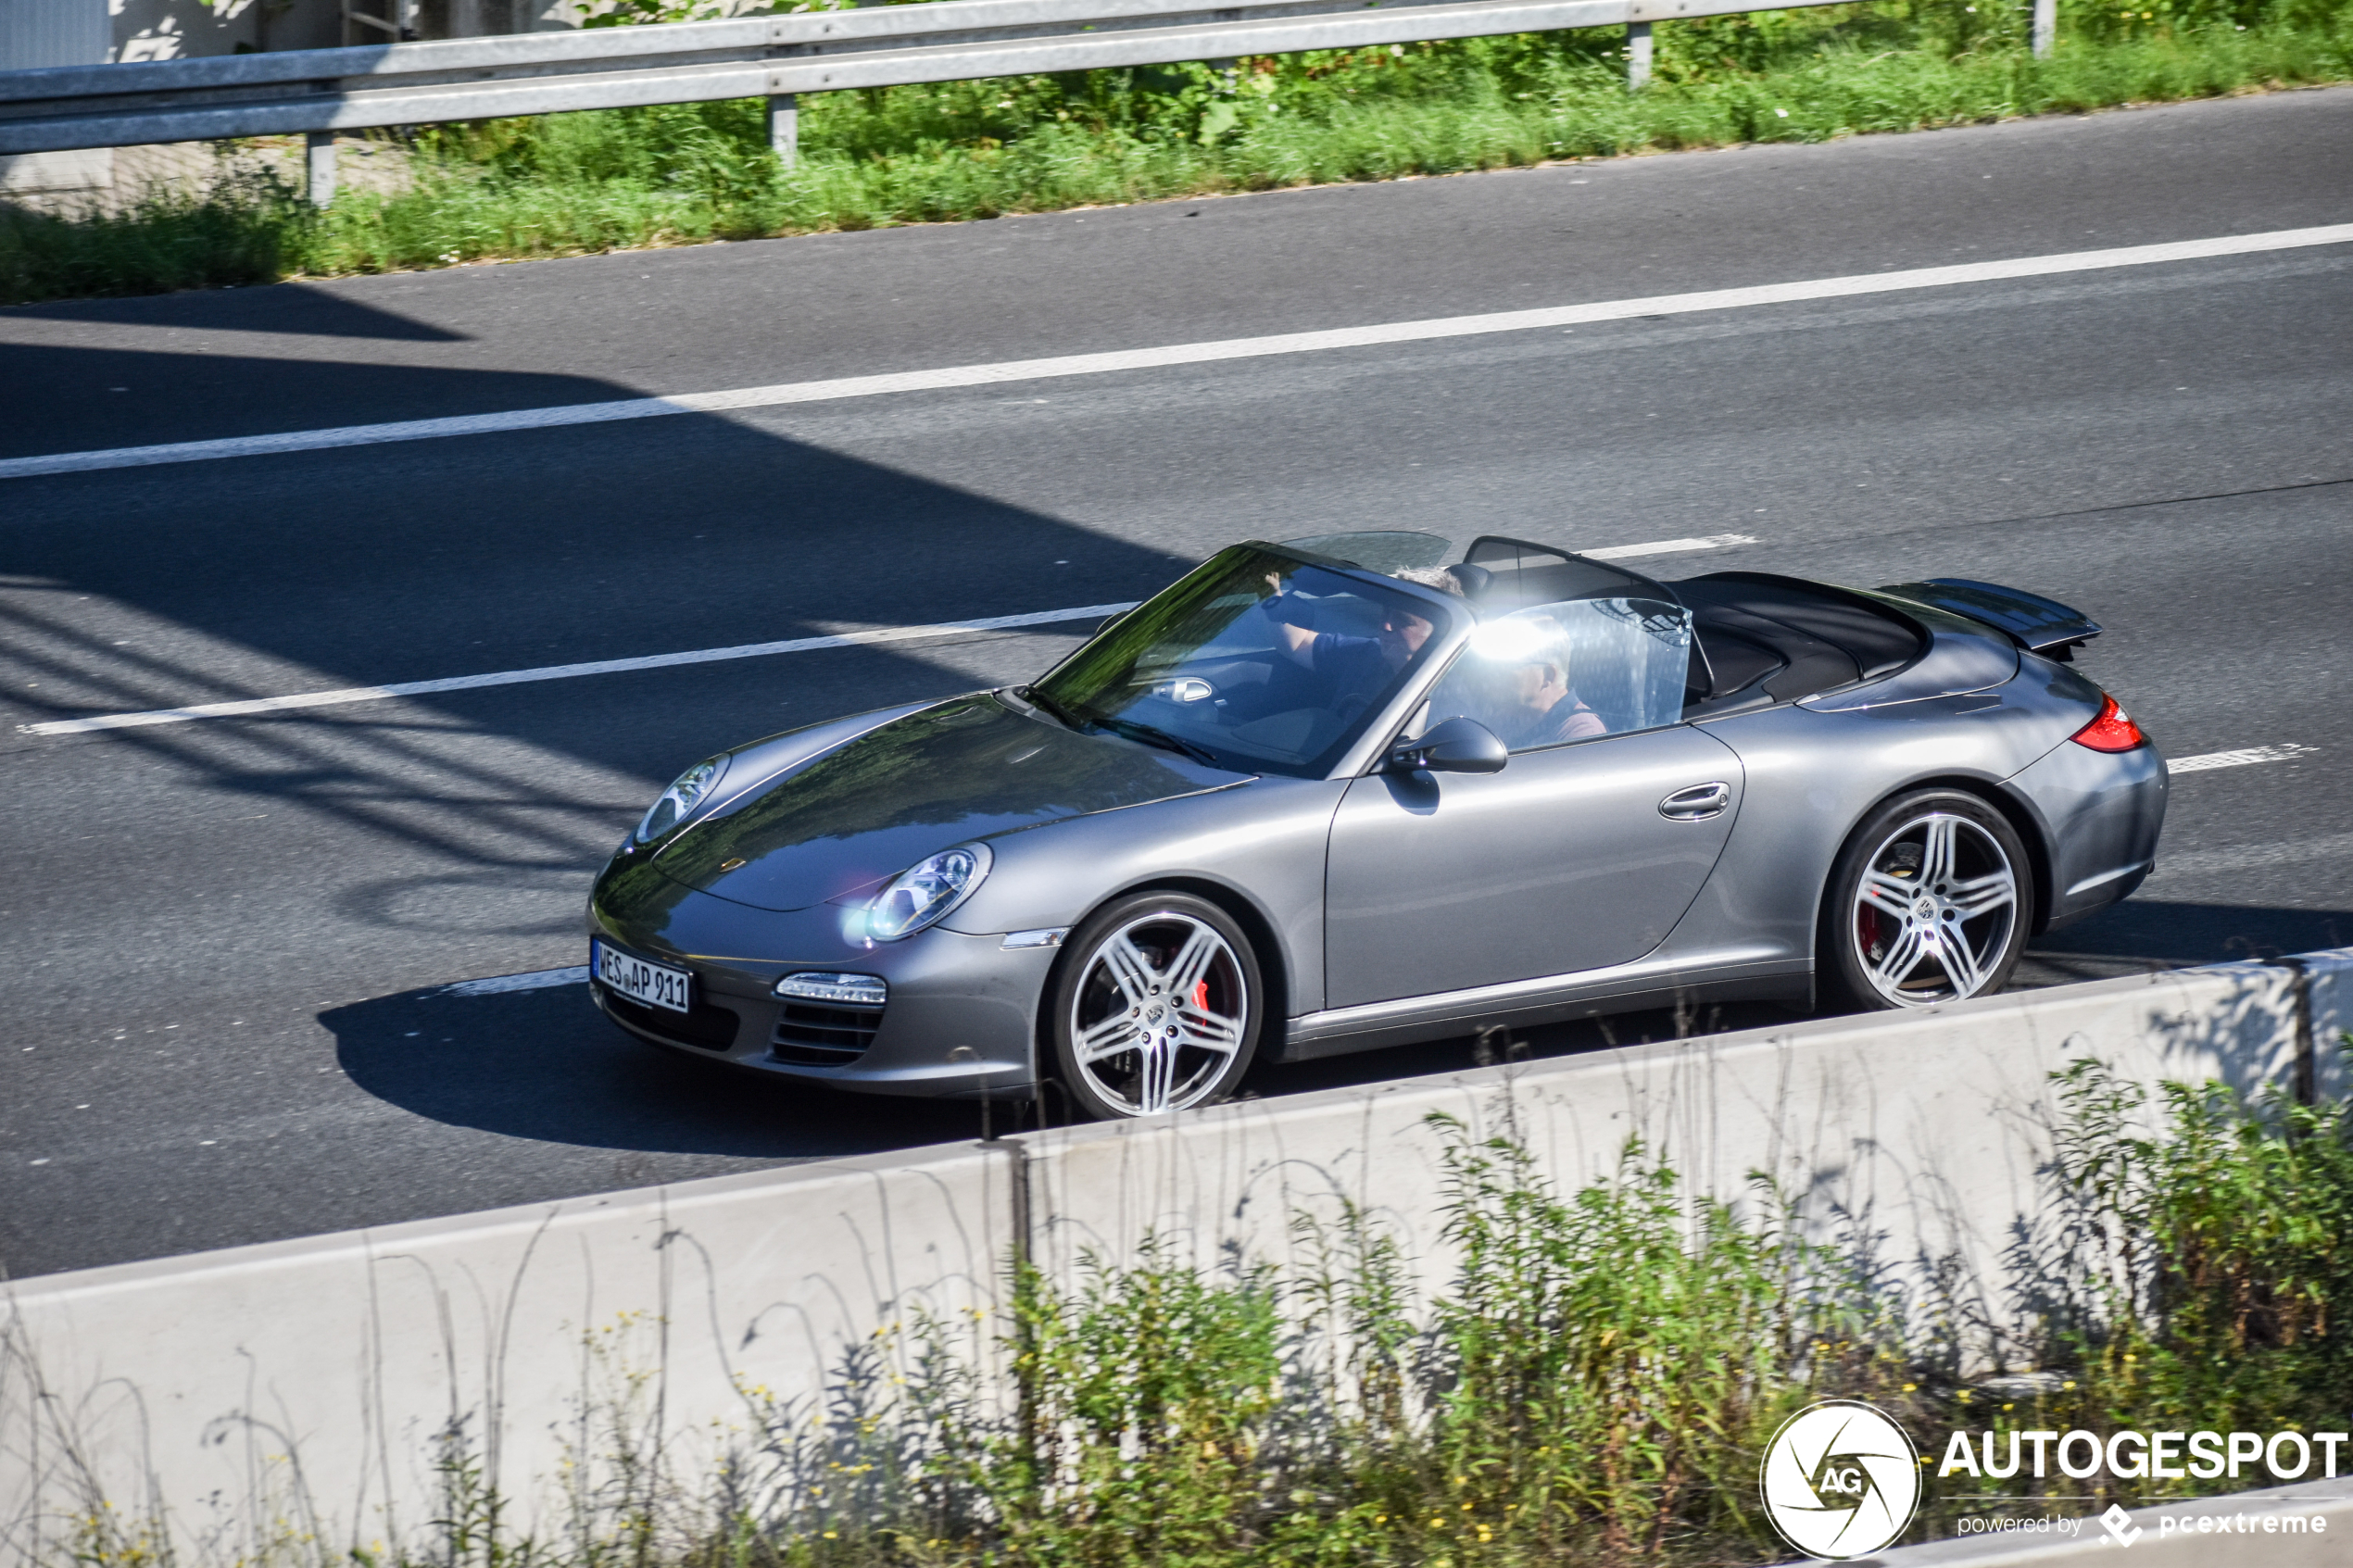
x=1840, y=1479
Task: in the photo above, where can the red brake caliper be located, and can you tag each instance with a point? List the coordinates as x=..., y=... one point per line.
x=1201, y=995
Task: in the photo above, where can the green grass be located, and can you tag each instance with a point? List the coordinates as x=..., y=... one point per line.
x=681, y=175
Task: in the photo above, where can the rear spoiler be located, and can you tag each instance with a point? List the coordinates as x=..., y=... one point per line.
x=2034, y=622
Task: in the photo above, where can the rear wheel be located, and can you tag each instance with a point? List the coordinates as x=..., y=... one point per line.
x=1156, y=1008
x=1930, y=902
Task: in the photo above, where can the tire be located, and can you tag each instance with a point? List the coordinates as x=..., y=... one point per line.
x=1125, y=1041
x=1930, y=901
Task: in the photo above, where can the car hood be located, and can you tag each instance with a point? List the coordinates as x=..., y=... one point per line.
x=862, y=813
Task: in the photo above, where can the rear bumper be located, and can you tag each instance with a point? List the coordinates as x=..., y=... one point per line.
x=960, y=1021
x=2101, y=815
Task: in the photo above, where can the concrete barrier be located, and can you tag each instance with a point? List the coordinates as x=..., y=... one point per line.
x=1917, y=1137
x=332, y=1388
x=335, y=1388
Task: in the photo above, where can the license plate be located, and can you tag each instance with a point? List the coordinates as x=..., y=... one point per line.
x=639, y=980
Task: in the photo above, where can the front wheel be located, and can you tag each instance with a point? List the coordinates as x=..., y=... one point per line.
x=1930, y=902
x=1156, y=1008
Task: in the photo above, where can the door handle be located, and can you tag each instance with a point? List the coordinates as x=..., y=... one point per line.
x=1697, y=803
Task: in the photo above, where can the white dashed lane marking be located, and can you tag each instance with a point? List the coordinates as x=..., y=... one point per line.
x=246, y=706
x=2243, y=758
x=865, y=637
x=537, y=980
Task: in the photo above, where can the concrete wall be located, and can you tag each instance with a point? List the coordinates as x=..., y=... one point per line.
x=55, y=33
x=52, y=32
x=176, y=29
x=170, y=29
x=298, y=1389
x=34, y=33
x=1919, y=1135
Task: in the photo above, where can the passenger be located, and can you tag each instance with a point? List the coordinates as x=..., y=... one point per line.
x=1358, y=666
x=1545, y=709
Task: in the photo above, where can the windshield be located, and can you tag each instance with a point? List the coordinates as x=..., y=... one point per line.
x=1257, y=662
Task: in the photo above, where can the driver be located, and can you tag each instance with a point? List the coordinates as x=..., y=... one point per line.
x=1357, y=666
x=1544, y=708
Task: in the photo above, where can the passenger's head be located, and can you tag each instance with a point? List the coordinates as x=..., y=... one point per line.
x=1439, y=577
x=1539, y=676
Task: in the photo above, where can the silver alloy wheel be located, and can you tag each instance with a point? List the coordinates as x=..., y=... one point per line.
x=1934, y=911
x=1158, y=1013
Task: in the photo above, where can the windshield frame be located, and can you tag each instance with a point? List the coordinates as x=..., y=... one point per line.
x=1450, y=620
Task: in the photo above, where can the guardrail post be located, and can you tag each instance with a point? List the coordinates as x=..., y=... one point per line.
x=783, y=128
x=1638, y=54
x=318, y=155
x=2046, y=25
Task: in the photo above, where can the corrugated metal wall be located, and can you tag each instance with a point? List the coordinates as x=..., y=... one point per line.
x=52, y=32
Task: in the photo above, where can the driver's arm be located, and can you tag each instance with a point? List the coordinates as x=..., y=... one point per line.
x=1297, y=641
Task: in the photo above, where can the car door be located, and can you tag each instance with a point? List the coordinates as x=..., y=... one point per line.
x=1581, y=853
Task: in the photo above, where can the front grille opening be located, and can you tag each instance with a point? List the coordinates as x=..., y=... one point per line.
x=711, y=1028
x=814, y=1034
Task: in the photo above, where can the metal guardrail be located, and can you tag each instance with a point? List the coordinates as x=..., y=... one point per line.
x=320, y=92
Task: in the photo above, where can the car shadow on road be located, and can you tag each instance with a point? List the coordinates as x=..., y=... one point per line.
x=546, y=1066
x=542, y=1066
x=2140, y=934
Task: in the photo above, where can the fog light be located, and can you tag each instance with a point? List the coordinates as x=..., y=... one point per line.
x=823, y=985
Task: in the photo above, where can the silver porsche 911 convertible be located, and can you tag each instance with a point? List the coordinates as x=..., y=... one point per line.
x=1338, y=794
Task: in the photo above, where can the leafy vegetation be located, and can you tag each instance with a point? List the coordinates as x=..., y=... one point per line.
x=562, y=184
x=2191, y=1277
x=1594, y=1384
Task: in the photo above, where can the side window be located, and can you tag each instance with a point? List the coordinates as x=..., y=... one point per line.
x=1559, y=672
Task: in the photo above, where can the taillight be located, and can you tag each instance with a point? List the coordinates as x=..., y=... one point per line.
x=2112, y=731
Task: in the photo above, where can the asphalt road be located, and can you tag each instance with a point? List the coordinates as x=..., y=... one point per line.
x=226, y=941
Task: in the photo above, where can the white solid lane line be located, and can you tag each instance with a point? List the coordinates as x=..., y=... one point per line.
x=2242, y=759
x=248, y=707
x=538, y=980
x=1175, y=354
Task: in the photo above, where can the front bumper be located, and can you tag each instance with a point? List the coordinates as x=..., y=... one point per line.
x=960, y=1022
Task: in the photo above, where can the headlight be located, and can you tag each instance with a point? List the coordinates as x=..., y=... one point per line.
x=692, y=788
x=925, y=891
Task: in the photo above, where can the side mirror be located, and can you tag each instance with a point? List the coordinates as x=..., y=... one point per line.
x=1458, y=746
